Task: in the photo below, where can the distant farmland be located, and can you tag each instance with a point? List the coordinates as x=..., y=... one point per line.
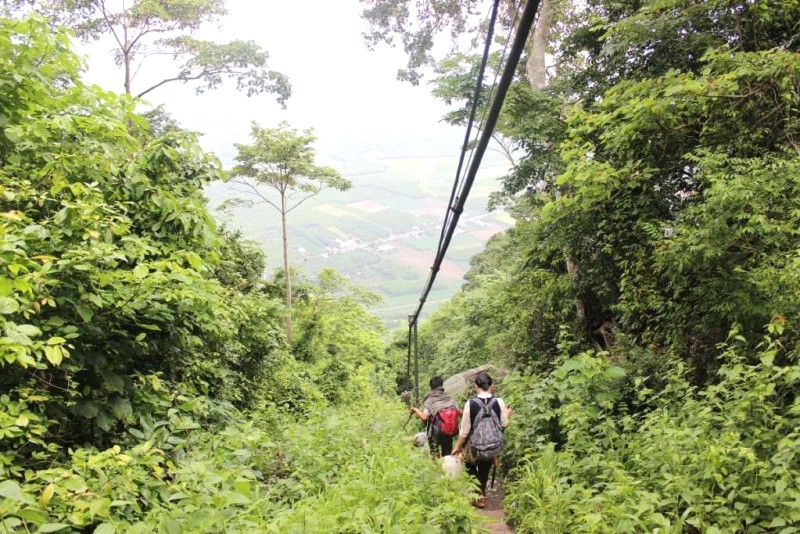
x=383, y=232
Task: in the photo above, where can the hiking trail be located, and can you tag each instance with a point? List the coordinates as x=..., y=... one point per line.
x=495, y=511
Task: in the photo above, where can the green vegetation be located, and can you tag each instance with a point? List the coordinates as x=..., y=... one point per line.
x=333, y=216
x=146, y=383
x=142, y=29
x=646, y=300
x=273, y=171
x=609, y=451
x=648, y=296
x=337, y=471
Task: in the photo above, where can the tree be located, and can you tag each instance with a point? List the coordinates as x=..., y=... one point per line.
x=336, y=336
x=145, y=28
x=282, y=160
x=107, y=259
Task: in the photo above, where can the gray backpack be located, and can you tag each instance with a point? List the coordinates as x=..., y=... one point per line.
x=486, y=438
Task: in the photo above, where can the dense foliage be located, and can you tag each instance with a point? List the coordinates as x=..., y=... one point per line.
x=669, y=213
x=146, y=384
x=656, y=202
x=647, y=301
x=606, y=450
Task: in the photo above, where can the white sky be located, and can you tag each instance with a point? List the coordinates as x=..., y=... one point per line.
x=349, y=95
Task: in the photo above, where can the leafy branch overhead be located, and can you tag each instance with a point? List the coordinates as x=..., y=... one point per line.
x=416, y=26
x=210, y=63
x=143, y=29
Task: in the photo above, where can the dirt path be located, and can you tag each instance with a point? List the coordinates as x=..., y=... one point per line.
x=494, y=511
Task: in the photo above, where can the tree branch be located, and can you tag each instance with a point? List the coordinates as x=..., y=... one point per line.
x=111, y=25
x=304, y=199
x=255, y=191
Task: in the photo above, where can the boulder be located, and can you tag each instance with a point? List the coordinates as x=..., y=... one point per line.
x=459, y=386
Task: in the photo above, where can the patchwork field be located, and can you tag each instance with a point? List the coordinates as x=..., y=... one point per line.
x=384, y=231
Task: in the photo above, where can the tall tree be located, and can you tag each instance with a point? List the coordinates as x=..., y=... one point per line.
x=141, y=29
x=282, y=161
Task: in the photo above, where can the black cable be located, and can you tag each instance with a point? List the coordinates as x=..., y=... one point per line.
x=528, y=16
x=412, y=328
x=475, y=102
x=494, y=84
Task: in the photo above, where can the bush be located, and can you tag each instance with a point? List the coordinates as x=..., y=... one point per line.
x=340, y=471
x=721, y=459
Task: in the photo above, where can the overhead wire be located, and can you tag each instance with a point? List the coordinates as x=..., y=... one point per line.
x=458, y=199
x=476, y=95
x=493, y=85
x=461, y=188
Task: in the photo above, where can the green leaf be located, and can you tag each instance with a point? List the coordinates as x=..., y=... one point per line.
x=53, y=527
x=85, y=313
x=194, y=260
x=114, y=382
x=29, y=330
x=172, y=527
x=11, y=490
x=87, y=409
x=140, y=271
x=32, y=515
x=53, y=354
x=104, y=420
x=615, y=372
x=121, y=407
x=6, y=287
x=8, y=305
x=105, y=528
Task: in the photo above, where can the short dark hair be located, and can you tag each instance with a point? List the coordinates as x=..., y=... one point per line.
x=436, y=382
x=483, y=381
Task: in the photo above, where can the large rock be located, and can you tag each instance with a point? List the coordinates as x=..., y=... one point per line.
x=460, y=385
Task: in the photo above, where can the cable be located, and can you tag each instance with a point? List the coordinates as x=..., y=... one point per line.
x=523, y=30
x=493, y=86
x=475, y=99
x=457, y=185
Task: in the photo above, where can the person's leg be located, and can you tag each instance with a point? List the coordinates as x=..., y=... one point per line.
x=433, y=446
x=482, y=473
x=472, y=469
x=447, y=446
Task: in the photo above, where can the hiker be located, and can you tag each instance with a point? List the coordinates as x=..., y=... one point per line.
x=440, y=413
x=483, y=420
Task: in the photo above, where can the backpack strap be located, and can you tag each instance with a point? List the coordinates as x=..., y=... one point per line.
x=476, y=404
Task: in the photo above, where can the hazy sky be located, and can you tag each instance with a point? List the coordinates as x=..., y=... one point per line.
x=349, y=95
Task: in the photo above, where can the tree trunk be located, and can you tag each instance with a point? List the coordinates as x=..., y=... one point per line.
x=536, y=70
x=126, y=51
x=536, y=67
x=127, y=74
x=286, y=271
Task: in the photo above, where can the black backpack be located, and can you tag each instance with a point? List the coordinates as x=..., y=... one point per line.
x=486, y=437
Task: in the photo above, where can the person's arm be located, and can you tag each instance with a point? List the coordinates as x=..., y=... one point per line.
x=505, y=412
x=464, y=430
x=419, y=413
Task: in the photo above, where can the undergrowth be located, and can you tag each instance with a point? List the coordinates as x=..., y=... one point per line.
x=600, y=451
x=342, y=470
